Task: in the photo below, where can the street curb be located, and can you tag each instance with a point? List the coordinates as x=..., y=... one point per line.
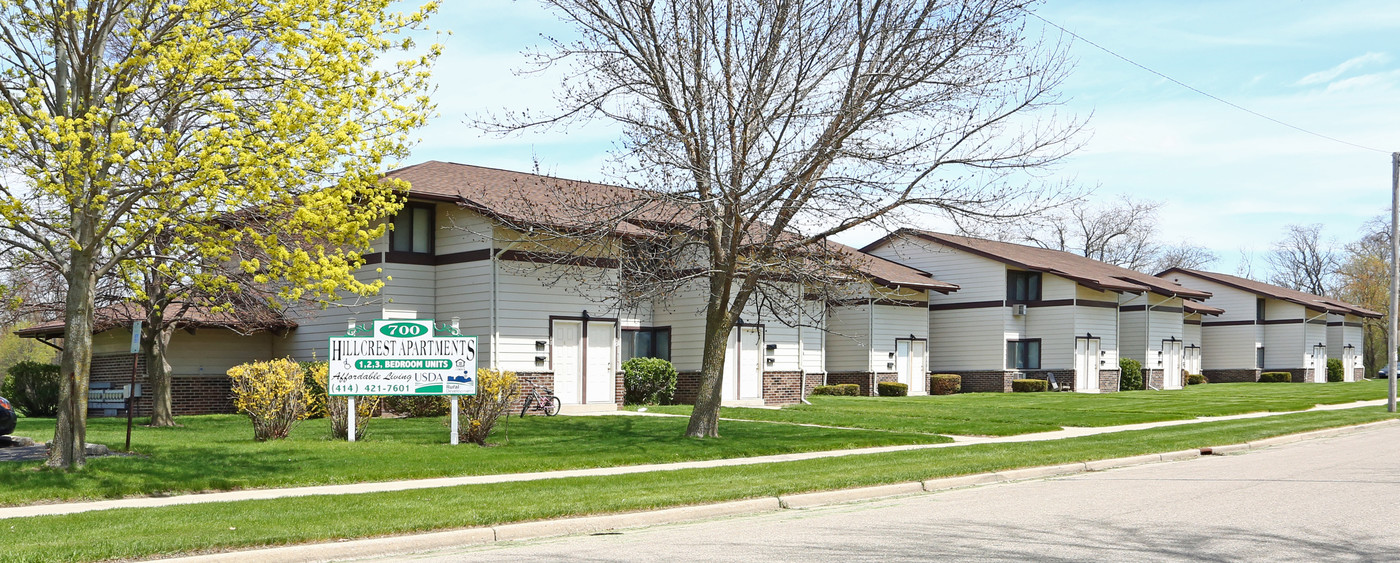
x=428, y=541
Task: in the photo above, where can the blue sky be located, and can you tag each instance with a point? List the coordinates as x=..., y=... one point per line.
x=1230, y=181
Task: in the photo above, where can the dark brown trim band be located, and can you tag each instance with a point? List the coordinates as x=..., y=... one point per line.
x=965, y=305
x=464, y=257
x=547, y=258
x=1045, y=303
x=417, y=258
x=1353, y=325
x=1281, y=322
x=1228, y=323
x=1095, y=303
x=1191, y=322
x=372, y=258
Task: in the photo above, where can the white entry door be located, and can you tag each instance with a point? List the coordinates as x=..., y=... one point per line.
x=1348, y=364
x=750, y=362
x=1171, y=364
x=1086, y=365
x=1191, y=361
x=600, y=377
x=909, y=358
x=1320, y=364
x=568, y=361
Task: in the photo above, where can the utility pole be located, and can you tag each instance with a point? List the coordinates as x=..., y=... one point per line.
x=1394, y=340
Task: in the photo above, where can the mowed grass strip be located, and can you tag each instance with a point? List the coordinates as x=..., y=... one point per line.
x=132, y=533
x=217, y=453
x=1005, y=414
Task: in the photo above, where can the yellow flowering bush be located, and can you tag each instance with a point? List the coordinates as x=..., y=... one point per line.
x=495, y=391
x=365, y=407
x=273, y=394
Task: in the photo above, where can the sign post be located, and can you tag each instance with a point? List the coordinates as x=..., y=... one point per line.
x=131, y=391
x=401, y=357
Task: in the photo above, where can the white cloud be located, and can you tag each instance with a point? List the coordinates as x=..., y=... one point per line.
x=1328, y=75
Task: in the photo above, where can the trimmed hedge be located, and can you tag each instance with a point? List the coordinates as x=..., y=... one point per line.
x=33, y=388
x=1195, y=379
x=1130, y=375
x=1275, y=377
x=891, y=389
x=420, y=406
x=1029, y=385
x=1334, y=371
x=945, y=384
x=844, y=390
x=648, y=381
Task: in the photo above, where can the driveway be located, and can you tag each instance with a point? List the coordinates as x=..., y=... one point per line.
x=1321, y=500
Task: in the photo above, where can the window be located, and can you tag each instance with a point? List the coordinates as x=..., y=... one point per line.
x=1023, y=354
x=646, y=343
x=1022, y=286
x=1259, y=357
x=1259, y=310
x=413, y=229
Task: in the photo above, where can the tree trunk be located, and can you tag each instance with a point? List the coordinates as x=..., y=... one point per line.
x=68, y=448
x=704, y=419
x=155, y=343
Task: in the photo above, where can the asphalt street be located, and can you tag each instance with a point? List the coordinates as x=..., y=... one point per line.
x=1332, y=499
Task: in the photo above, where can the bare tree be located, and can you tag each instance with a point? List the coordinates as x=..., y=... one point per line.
x=1301, y=260
x=1121, y=233
x=1183, y=255
x=774, y=124
x=1245, y=267
x=1364, y=279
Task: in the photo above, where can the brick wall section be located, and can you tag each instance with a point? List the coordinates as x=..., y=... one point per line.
x=1109, y=380
x=865, y=379
x=1231, y=375
x=1358, y=374
x=1153, y=377
x=781, y=387
x=530, y=380
x=1300, y=375
x=687, y=387
x=997, y=381
x=189, y=394
x=813, y=380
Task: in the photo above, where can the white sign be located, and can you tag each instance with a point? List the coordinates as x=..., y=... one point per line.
x=402, y=357
x=136, y=337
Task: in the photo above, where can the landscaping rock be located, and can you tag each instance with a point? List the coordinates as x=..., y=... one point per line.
x=97, y=450
x=15, y=441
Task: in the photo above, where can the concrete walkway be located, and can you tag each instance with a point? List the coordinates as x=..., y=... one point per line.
x=387, y=486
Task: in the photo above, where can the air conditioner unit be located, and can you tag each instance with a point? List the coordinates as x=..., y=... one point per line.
x=1018, y=309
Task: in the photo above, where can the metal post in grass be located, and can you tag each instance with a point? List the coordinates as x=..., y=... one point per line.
x=131, y=391
x=1394, y=340
x=453, y=400
x=350, y=400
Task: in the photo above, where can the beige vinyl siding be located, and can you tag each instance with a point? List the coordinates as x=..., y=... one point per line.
x=848, y=344
x=208, y=352
x=464, y=291
x=1231, y=346
x=1340, y=336
x=1283, y=343
x=461, y=230
x=966, y=339
x=1054, y=326
x=315, y=326
x=410, y=291
x=1191, y=333
x=525, y=301
x=981, y=279
x=894, y=322
x=684, y=312
x=1316, y=333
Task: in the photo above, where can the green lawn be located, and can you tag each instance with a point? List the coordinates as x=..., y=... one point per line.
x=131, y=533
x=217, y=453
x=1004, y=414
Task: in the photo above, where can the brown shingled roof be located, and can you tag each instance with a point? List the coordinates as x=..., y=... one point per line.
x=1202, y=308
x=524, y=198
x=1291, y=295
x=1085, y=271
x=123, y=314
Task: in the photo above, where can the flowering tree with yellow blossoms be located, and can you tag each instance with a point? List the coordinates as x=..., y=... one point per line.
x=122, y=120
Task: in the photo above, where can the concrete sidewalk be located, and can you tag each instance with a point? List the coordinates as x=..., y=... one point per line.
x=386, y=486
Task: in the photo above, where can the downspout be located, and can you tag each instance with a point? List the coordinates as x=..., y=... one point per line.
x=1147, y=341
x=801, y=347
x=1118, y=338
x=495, y=304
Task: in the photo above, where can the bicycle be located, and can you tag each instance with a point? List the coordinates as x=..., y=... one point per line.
x=544, y=402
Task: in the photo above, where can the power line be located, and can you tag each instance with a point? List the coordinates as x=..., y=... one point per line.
x=1198, y=90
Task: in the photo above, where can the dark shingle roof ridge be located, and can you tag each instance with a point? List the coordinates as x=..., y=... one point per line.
x=1095, y=272
x=1303, y=298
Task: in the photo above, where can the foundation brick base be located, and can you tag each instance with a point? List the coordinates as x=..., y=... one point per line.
x=779, y=387
x=1153, y=377
x=995, y=381
x=1063, y=377
x=1231, y=375
x=189, y=394
x=1109, y=380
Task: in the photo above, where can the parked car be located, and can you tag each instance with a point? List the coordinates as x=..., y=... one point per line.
x=1382, y=373
x=7, y=417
